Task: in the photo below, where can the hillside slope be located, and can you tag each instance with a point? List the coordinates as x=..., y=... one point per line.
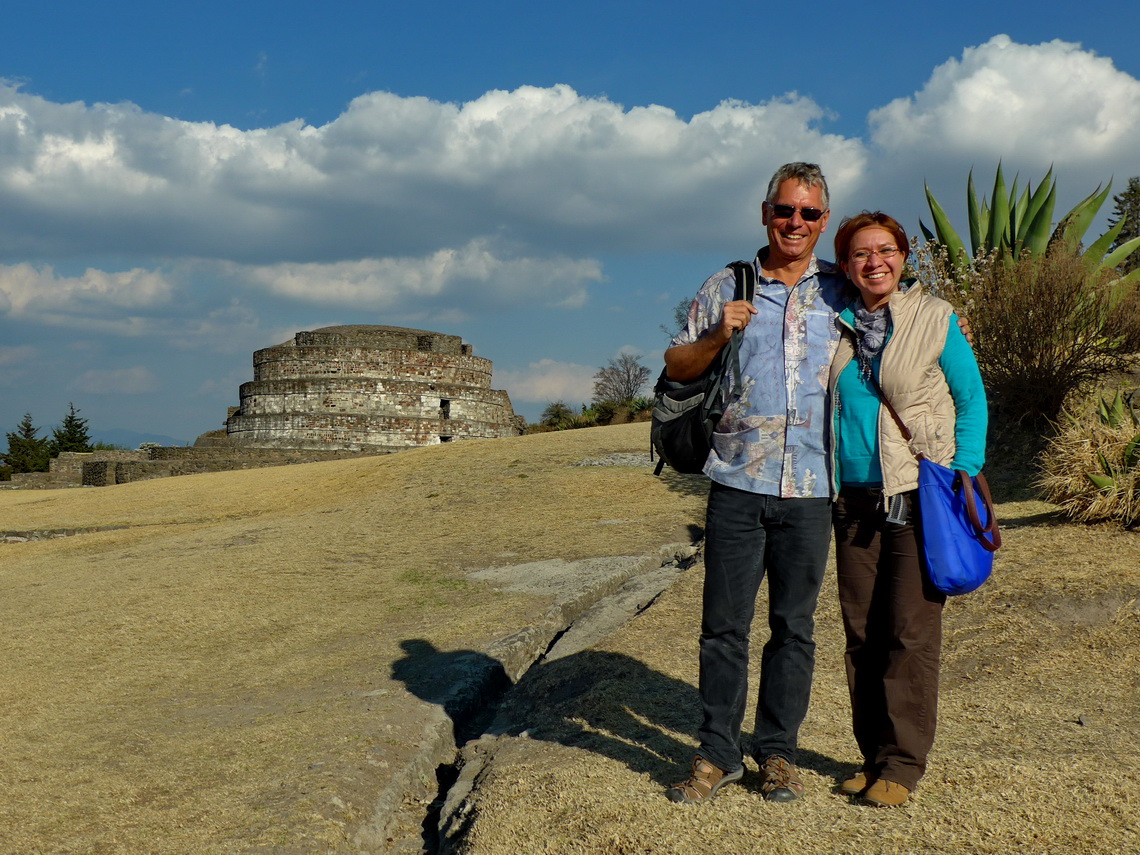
x=209, y=668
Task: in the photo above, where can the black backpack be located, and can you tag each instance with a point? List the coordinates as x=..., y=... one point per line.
x=686, y=414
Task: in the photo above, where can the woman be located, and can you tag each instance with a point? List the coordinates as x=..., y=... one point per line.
x=911, y=342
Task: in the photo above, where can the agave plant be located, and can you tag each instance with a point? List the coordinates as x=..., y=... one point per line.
x=1019, y=220
x=1112, y=414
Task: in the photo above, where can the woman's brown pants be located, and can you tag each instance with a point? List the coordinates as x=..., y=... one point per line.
x=892, y=617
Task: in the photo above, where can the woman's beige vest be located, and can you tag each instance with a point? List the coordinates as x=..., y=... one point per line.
x=913, y=382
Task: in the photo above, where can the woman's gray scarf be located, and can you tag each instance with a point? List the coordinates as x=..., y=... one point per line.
x=870, y=335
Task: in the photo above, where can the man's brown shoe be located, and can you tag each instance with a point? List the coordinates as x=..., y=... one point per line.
x=704, y=782
x=856, y=785
x=886, y=794
x=779, y=781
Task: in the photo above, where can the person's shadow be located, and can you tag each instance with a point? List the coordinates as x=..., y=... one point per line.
x=597, y=701
x=466, y=683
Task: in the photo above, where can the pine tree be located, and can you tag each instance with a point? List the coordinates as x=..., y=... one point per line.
x=26, y=451
x=1128, y=210
x=71, y=435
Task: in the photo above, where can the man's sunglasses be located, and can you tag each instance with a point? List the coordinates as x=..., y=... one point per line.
x=785, y=212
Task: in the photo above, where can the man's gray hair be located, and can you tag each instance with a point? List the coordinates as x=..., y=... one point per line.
x=807, y=174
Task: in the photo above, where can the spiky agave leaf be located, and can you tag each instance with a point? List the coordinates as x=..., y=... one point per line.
x=1119, y=255
x=998, y=236
x=1102, y=482
x=1045, y=193
x=1017, y=215
x=1132, y=452
x=1106, y=466
x=946, y=234
x=978, y=223
x=1039, y=225
x=1075, y=223
x=1111, y=412
x=1096, y=250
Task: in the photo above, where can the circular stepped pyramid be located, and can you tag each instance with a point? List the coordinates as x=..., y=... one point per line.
x=368, y=388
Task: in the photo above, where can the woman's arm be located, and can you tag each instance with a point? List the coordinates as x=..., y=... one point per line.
x=960, y=367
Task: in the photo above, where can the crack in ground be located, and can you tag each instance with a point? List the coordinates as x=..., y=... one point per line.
x=446, y=821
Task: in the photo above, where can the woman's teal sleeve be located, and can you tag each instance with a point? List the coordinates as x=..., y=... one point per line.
x=965, y=381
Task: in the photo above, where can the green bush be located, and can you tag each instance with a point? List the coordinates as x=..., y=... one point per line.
x=556, y=416
x=640, y=405
x=583, y=421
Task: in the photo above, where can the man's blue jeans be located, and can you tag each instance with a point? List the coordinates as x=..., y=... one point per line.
x=746, y=536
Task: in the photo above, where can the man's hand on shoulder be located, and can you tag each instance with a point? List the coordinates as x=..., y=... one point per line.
x=964, y=326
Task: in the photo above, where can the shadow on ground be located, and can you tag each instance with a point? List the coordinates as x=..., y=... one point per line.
x=598, y=701
x=686, y=485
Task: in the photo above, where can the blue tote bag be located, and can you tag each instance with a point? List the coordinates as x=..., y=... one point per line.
x=959, y=528
x=957, y=523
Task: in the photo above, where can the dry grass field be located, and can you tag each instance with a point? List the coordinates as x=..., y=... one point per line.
x=1038, y=748
x=209, y=669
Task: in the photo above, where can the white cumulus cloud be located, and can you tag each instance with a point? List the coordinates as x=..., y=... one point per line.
x=547, y=380
x=396, y=176
x=39, y=293
x=1046, y=103
x=474, y=274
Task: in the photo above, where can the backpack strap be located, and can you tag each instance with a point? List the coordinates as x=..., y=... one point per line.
x=745, y=274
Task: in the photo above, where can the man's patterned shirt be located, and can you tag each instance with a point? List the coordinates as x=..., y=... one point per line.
x=774, y=438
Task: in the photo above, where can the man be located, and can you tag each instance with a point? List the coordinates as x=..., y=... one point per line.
x=769, y=506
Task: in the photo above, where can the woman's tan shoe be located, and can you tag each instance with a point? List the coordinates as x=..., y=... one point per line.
x=886, y=794
x=856, y=785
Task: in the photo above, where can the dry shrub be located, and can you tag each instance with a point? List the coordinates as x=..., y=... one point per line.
x=1084, y=444
x=1044, y=327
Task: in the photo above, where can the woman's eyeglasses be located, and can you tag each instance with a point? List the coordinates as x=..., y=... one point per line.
x=785, y=212
x=864, y=255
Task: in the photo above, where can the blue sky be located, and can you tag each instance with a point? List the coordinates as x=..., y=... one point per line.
x=184, y=183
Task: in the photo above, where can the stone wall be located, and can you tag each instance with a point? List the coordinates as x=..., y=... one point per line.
x=105, y=468
x=165, y=462
x=66, y=470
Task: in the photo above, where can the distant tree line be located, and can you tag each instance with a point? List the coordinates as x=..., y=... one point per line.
x=617, y=398
x=29, y=452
